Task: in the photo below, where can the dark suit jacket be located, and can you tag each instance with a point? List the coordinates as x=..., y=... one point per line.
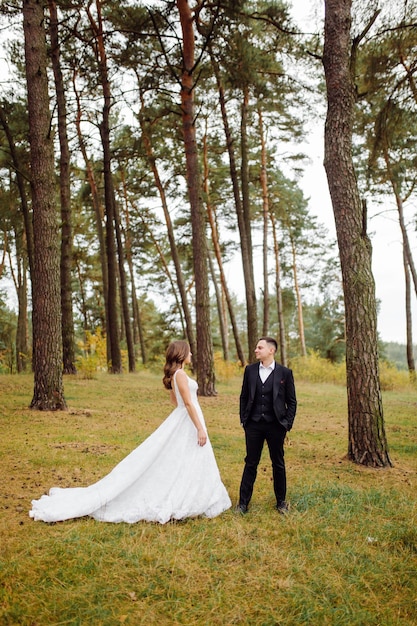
x=284, y=398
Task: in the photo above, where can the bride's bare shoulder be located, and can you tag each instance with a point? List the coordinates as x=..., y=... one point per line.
x=180, y=374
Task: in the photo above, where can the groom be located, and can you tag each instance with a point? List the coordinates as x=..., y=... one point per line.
x=267, y=410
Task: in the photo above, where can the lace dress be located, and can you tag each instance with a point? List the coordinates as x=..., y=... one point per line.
x=167, y=477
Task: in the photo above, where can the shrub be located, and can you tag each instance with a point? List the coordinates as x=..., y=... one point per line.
x=394, y=379
x=225, y=370
x=313, y=368
x=94, y=354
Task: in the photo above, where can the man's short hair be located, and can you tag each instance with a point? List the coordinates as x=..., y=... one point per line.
x=271, y=341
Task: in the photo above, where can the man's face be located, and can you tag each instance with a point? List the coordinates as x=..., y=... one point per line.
x=264, y=351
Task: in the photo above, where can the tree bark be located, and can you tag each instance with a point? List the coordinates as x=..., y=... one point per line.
x=168, y=274
x=400, y=209
x=123, y=292
x=19, y=278
x=409, y=321
x=246, y=232
x=204, y=360
x=68, y=340
x=408, y=263
x=20, y=180
x=265, y=212
x=280, y=308
x=98, y=211
x=82, y=297
x=220, y=311
x=24, y=253
x=147, y=141
x=245, y=247
x=22, y=342
x=47, y=332
x=367, y=440
x=113, y=335
x=300, y=316
x=138, y=335
x=218, y=255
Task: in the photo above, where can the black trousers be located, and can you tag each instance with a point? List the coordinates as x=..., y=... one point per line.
x=256, y=434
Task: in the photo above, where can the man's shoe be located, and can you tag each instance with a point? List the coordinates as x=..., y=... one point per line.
x=242, y=508
x=283, y=508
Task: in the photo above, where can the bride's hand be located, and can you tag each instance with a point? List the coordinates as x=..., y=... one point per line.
x=202, y=437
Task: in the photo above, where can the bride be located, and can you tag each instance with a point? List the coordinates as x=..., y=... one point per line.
x=172, y=475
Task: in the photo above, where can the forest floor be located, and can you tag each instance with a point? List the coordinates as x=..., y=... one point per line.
x=346, y=555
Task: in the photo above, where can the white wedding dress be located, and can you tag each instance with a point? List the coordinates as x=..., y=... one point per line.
x=168, y=477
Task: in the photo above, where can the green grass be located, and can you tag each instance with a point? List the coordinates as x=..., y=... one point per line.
x=346, y=555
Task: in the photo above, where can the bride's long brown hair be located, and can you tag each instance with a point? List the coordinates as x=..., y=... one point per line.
x=175, y=356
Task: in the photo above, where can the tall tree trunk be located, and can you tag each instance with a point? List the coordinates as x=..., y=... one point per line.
x=409, y=267
x=300, y=316
x=98, y=211
x=251, y=306
x=138, y=336
x=24, y=253
x=68, y=341
x=20, y=282
x=367, y=439
x=220, y=312
x=47, y=333
x=400, y=209
x=205, y=363
x=141, y=333
x=409, y=321
x=123, y=293
x=278, y=289
x=167, y=272
x=247, y=262
x=218, y=255
x=22, y=343
x=83, y=298
x=5, y=251
x=170, y=231
x=265, y=211
x=20, y=180
x=113, y=335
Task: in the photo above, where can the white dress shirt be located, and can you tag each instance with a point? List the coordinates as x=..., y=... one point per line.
x=264, y=372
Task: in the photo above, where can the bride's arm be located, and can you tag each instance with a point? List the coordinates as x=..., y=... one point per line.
x=182, y=383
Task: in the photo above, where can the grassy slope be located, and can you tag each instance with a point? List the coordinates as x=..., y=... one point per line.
x=346, y=555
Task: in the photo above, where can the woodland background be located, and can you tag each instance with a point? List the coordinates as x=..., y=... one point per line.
x=115, y=119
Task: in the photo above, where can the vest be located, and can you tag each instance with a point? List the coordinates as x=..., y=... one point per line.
x=263, y=407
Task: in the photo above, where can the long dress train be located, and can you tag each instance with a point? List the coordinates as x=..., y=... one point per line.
x=167, y=477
